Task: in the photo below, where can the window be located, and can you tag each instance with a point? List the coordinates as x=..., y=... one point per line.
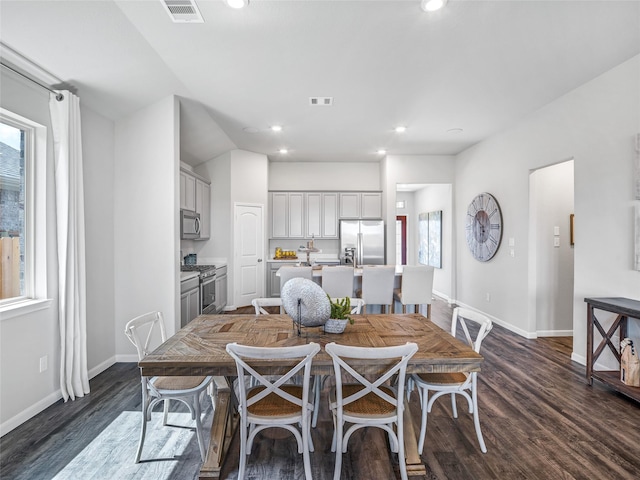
x=17, y=237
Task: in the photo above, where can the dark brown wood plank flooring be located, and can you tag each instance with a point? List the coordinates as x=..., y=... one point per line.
x=539, y=418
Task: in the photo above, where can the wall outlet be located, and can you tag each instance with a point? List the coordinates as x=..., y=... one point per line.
x=44, y=363
x=556, y=242
x=488, y=297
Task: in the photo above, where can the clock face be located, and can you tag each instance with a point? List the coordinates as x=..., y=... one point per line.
x=484, y=227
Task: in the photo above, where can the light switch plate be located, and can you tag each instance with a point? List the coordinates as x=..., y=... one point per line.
x=556, y=242
x=556, y=231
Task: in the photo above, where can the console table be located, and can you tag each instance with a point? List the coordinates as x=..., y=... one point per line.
x=625, y=308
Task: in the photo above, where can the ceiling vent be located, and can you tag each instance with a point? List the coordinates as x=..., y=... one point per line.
x=183, y=11
x=320, y=101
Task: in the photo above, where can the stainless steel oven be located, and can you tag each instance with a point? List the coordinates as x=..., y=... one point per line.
x=208, y=292
x=207, y=286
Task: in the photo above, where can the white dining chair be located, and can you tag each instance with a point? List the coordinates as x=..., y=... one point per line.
x=287, y=273
x=416, y=288
x=366, y=401
x=140, y=331
x=261, y=304
x=337, y=281
x=457, y=383
x=377, y=285
x=272, y=401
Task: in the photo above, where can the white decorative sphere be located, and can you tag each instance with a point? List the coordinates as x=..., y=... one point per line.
x=315, y=307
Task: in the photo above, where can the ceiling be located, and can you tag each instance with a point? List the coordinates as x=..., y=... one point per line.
x=478, y=66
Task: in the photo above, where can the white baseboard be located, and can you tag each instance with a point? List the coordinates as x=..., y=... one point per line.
x=555, y=333
x=578, y=358
x=49, y=400
x=128, y=358
x=30, y=412
x=98, y=369
x=502, y=323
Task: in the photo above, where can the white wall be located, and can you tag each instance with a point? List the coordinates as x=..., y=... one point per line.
x=431, y=169
x=98, y=156
x=24, y=391
x=595, y=125
x=146, y=230
x=324, y=176
x=551, y=194
x=428, y=199
x=25, y=338
x=237, y=176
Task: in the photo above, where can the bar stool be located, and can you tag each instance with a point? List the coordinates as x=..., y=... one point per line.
x=416, y=288
x=287, y=273
x=377, y=285
x=338, y=281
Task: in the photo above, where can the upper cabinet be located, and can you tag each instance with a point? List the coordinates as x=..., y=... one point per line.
x=321, y=215
x=195, y=195
x=287, y=215
x=361, y=205
x=317, y=214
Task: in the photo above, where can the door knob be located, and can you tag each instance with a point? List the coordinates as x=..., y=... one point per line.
x=259, y=260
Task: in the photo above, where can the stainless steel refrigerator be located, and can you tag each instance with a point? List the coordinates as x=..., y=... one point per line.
x=362, y=242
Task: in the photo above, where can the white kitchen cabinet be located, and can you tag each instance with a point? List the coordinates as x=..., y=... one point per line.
x=189, y=300
x=321, y=215
x=349, y=205
x=195, y=195
x=361, y=205
x=287, y=215
x=371, y=205
x=203, y=207
x=187, y=191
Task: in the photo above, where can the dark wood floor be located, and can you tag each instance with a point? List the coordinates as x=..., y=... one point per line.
x=539, y=418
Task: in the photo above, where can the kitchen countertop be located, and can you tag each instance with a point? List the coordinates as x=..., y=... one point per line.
x=188, y=275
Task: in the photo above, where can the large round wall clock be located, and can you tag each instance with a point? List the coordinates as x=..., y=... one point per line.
x=484, y=227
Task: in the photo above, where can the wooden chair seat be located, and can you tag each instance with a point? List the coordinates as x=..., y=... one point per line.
x=443, y=378
x=273, y=405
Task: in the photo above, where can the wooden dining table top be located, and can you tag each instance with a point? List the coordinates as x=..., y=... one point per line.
x=199, y=348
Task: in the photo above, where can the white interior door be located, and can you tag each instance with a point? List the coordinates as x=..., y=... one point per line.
x=248, y=253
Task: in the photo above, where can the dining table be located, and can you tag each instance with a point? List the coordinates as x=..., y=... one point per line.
x=199, y=348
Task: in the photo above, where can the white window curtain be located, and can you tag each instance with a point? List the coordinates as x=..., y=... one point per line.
x=65, y=120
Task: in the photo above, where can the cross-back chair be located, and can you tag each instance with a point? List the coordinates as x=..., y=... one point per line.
x=142, y=331
x=457, y=383
x=368, y=402
x=272, y=401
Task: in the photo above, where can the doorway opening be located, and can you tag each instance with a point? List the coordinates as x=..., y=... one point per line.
x=551, y=262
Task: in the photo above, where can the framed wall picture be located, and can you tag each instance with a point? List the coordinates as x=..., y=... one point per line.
x=430, y=238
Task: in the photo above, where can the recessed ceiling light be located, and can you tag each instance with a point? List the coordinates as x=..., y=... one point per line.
x=401, y=129
x=283, y=151
x=276, y=128
x=455, y=130
x=432, y=5
x=237, y=3
x=381, y=151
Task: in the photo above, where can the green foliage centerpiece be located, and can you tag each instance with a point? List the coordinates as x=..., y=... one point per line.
x=340, y=310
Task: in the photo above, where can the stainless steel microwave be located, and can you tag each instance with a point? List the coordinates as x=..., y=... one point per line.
x=189, y=225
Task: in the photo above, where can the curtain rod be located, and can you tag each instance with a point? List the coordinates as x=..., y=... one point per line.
x=59, y=96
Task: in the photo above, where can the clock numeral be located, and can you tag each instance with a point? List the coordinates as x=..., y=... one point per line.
x=493, y=213
x=495, y=226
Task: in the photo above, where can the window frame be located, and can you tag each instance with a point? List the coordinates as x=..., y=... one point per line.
x=35, y=269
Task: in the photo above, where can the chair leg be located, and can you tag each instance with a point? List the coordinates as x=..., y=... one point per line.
x=401, y=459
x=338, y=437
x=196, y=408
x=317, y=389
x=143, y=431
x=429, y=311
x=243, y=448
x=454, y=409
x=476, y=418
x=307, y=446
x=424, y=397
x=145, y=414
x=165, y=412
